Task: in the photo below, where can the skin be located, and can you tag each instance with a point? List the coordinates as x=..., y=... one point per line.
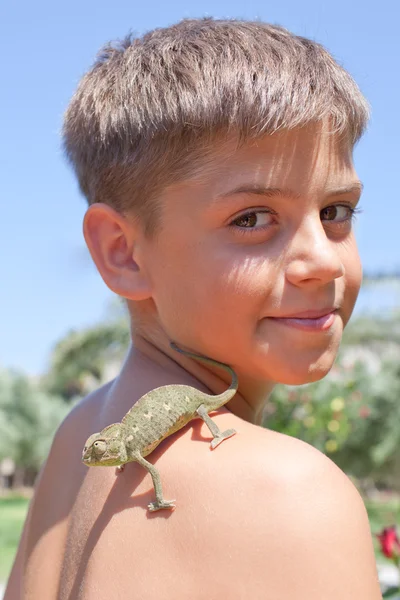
x=265, y=516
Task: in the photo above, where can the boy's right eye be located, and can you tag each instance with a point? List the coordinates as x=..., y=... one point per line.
x=246, y=223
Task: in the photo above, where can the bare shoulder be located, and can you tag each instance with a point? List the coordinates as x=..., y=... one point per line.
x=298, y=519
x=325, y=548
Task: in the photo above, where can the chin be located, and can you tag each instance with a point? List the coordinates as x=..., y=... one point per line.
x=302, y=379
x=310, y=374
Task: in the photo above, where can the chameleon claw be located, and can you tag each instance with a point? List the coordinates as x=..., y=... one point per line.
x=223, y=436
x=153, y=506
x=119, y=469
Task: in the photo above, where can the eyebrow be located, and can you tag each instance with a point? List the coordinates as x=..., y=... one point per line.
x=271, y=192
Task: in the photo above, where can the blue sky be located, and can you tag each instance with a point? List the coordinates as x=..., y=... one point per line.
x=48, y=283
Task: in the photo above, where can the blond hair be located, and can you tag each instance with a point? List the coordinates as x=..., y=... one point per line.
x=151, y=107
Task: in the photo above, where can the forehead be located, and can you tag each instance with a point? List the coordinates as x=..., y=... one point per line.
x=305, y=160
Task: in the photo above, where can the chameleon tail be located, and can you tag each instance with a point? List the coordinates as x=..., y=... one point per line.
x=231, y=391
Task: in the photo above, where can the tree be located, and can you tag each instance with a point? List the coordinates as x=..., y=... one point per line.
x=79, y=360
x=29, y=419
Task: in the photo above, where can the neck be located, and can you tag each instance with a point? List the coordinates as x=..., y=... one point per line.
x=161, y=365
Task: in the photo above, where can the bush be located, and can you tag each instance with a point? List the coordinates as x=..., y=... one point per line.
x=351, y=415
x=28, y=420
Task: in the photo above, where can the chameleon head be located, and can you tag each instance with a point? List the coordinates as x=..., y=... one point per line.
x=104, y=449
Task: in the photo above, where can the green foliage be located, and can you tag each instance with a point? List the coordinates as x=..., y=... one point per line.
x=85, y=353
x=28, y=420
x=351, y=415
x=372, y=331
x=381, y=514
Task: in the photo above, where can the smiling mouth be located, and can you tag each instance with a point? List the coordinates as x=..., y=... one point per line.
x=310, y=314
x=323, y=322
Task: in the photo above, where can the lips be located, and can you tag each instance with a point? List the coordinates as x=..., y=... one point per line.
x=309, y=314
x=309, y=320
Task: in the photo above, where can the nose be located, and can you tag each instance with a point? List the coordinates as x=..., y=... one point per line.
x=314, y=258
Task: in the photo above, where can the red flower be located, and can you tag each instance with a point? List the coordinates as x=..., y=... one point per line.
x=364, y=412
x=390, y=543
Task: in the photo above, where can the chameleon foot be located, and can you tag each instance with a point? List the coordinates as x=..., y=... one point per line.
x=153, y=506
x=221, y=437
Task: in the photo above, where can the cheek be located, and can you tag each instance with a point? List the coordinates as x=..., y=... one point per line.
x=203, y=289
x=353, y=266
x=353, y=278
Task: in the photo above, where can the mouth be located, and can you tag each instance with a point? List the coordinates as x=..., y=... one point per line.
x=309, y=320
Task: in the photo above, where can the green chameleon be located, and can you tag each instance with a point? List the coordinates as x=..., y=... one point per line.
x=155, y=416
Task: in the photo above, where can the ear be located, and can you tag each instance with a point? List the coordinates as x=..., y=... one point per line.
x=114, y=245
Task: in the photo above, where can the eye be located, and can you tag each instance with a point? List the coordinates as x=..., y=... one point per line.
x=100, y=446
x=339, y=213
x=255, y=220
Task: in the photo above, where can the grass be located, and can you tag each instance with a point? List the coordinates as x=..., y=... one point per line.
x=13, y=511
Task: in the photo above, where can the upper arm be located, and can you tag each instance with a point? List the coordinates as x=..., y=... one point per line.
x=331, y=552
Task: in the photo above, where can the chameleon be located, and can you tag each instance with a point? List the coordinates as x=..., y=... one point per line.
x=154, y=417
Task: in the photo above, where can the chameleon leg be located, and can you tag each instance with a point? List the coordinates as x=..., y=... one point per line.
x=218, y=435
x=155, y=475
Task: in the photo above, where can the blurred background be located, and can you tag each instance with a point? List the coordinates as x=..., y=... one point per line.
x=63, y=333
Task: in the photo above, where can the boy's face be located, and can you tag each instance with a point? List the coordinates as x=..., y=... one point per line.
x=235, y=256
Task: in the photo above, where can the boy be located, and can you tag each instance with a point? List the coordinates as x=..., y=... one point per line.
x=216, y=157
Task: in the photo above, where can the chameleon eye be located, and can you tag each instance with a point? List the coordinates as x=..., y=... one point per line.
x=100, y=446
